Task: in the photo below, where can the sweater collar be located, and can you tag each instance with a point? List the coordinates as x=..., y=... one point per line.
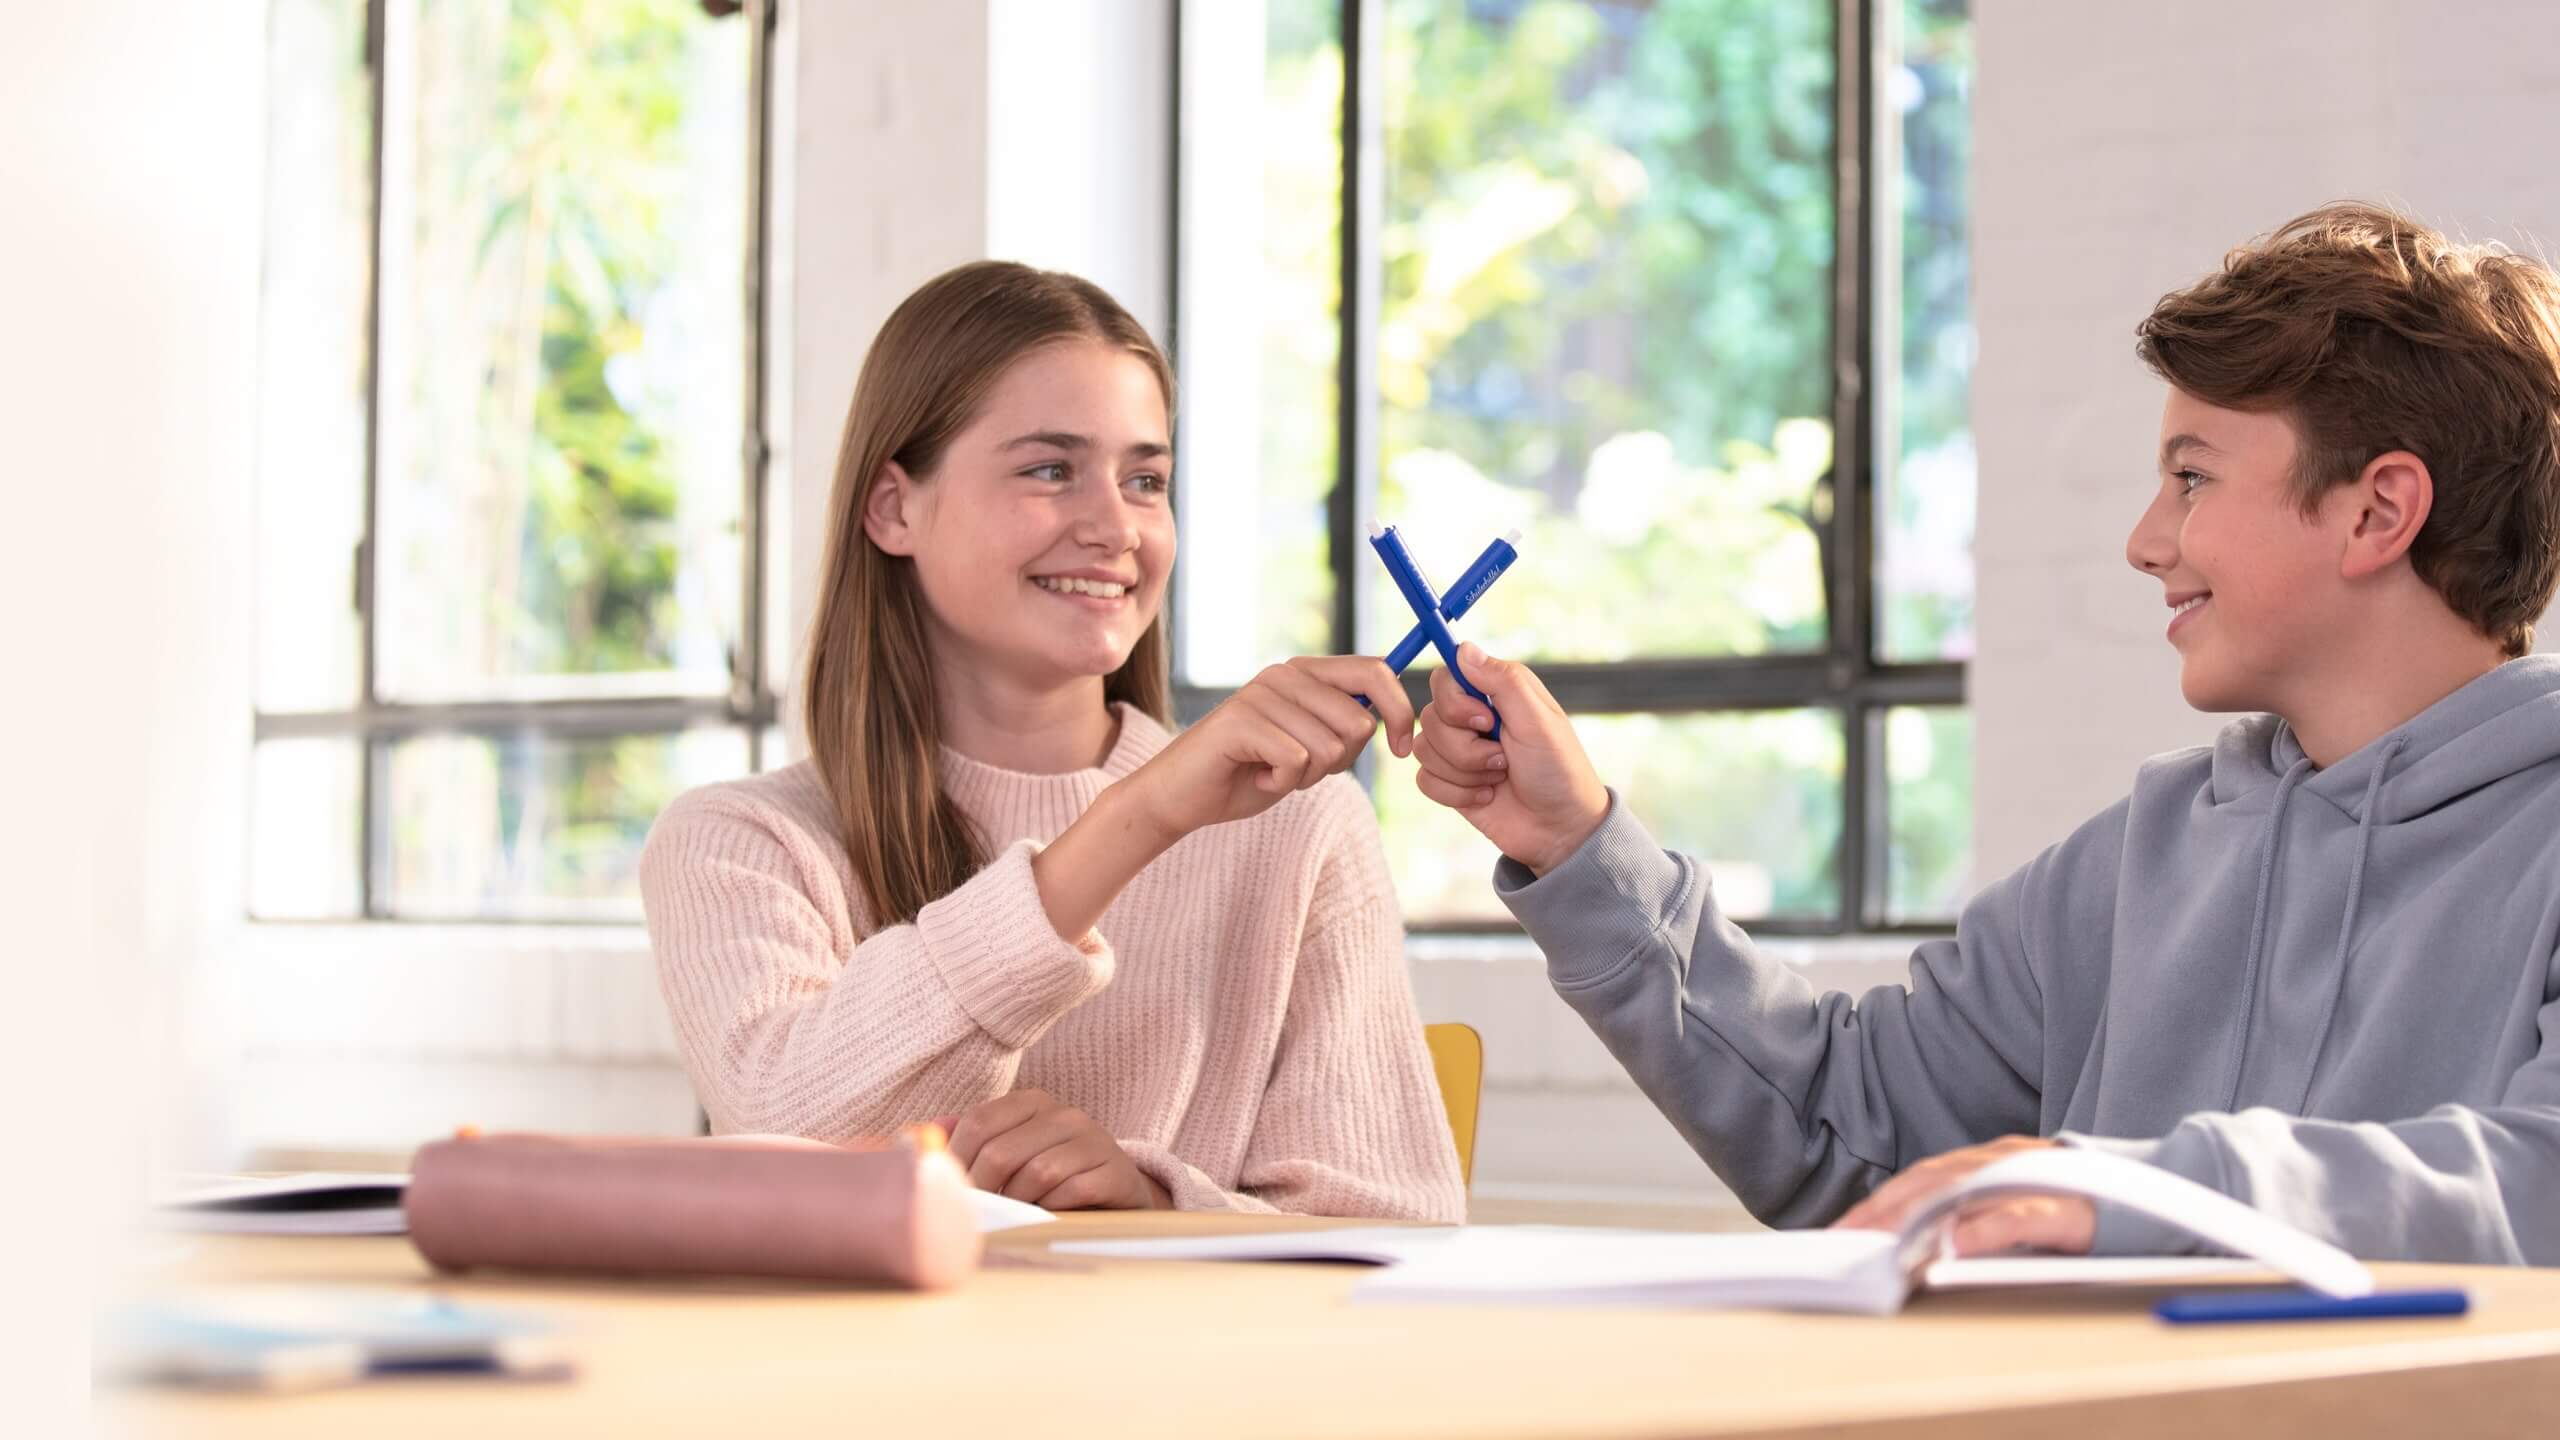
x=1012, y=804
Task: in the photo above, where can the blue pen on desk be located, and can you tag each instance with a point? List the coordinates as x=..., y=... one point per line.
x=1426, y=609
x=2214, y=1307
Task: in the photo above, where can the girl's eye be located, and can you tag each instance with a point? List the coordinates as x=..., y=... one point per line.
x=2188, y=480
x=1055, y=472
x=1151, y=483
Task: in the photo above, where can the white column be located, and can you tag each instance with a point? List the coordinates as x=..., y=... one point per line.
x=886, y=162
x=923, y=134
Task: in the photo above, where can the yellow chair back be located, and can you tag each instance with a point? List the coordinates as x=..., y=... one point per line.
x=1457, y=1061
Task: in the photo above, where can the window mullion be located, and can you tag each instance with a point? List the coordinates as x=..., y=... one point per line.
x=1362, y=290
x=370, y=820
x=373, y=888
x=1355, y=483
x=1851, y=553
x=747, y=666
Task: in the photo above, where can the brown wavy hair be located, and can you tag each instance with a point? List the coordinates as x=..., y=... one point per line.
x=874, y=733
x=2370, y=333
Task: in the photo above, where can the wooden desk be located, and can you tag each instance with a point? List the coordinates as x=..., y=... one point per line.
x=1041, y=1346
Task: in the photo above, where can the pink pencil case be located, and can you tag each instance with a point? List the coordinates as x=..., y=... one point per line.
x=882, y=1213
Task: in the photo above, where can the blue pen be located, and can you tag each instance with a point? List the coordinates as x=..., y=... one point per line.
x=2214, y=1307
x=1460, y=598
x=1426, y=608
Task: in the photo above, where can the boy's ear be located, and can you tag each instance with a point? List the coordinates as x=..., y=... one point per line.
x=2392, y=498
x=886, y=511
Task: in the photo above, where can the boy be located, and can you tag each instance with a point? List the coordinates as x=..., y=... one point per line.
x=2311, y=966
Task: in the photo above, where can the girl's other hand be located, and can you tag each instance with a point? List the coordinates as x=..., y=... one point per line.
x=1032, y=1146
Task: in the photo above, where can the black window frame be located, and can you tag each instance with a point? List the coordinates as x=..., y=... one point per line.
x=375, y=725
x=1846, y=677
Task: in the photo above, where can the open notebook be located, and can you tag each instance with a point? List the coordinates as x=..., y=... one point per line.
x=312, y=1203
x=1861, y=1271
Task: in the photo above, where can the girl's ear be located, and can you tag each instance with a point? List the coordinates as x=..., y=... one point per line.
x=886, y=511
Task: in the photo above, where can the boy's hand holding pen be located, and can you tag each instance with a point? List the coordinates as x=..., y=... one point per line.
x=1493, y=745
x=1532, y=792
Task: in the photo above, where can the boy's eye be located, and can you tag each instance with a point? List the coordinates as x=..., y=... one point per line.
x=2188, y=480
x=1151, y=483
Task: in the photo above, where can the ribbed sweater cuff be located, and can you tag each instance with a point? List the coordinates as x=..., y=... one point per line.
x=992, y=942
x=1183, y=1182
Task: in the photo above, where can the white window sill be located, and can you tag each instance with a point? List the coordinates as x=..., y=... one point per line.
x=1810, y=953
x=409, y=938
x=375, y=1037
x=564, y=997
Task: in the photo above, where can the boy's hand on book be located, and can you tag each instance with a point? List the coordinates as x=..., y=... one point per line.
x=1533, y=792
x=2063, y=1224
x=1032, y=1146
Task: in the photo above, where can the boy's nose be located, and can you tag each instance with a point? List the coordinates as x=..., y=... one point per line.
x=2152, y=548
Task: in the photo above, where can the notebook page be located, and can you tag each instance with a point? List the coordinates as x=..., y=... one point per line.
x=2000, y=1272
x=1851, y=1270
x=2209, y=1215
x=1368, y=1245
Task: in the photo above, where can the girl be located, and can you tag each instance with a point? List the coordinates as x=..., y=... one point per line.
x=992, y=896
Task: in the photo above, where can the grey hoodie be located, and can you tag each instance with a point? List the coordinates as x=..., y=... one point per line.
x=2329, y=993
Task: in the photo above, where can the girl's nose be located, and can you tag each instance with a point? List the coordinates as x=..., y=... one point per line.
x=1107, y=522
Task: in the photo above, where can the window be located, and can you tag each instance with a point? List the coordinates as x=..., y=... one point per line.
x=511, y=542
x=1644, y=280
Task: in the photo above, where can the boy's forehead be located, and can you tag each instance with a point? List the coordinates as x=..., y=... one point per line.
x=2196, y=429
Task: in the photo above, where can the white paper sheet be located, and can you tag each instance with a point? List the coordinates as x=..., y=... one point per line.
x=1991, y=1272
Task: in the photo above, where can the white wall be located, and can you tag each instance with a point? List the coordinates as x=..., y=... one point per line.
x=128, y=281
x=886, y=173
x=1080, y=144
x=2120, y=150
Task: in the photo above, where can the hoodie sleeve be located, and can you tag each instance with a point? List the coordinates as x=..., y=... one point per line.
x=2456, y=1184
x=1801, y=1101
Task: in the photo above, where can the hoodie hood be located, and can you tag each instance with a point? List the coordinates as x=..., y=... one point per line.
x=2504, y=722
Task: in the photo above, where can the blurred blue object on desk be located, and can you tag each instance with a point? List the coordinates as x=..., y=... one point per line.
x=284, y=1337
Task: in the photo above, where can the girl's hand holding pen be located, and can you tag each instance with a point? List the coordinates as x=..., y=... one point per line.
x=1291, y=726
x=1533, y=793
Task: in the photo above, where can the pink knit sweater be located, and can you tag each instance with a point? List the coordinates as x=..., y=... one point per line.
x=1240, y=1020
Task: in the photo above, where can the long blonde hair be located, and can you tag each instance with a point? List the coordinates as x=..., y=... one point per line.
x=869, y=698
